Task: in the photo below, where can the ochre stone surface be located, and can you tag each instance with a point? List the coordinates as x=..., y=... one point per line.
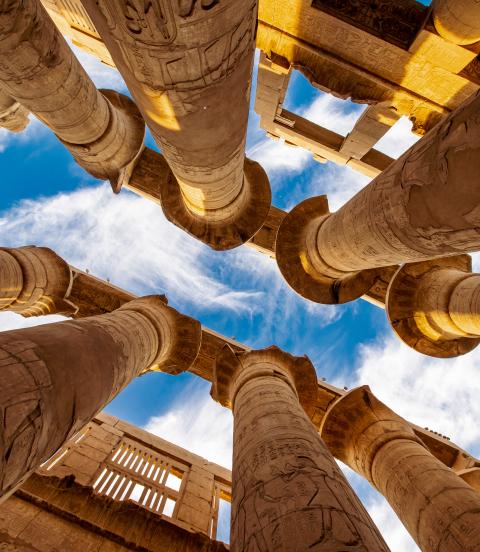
x=288, y=493
x=434, y=306
x=103, y=131
x=422, y=207
x=56, y=377
x=190, y=76
x=457, y=20
x=440, y=510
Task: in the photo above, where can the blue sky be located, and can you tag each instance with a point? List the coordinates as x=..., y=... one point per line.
x=47, y=200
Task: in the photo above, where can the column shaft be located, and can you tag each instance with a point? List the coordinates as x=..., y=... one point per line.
x=437, y=507
x=190, y=76
x=104, y=132
x=54, y=378
x=288, y=494
x=457, y=20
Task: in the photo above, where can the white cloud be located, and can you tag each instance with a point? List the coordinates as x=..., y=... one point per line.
x=398, y=139
x=127, y=239
x=199, y=424
x=13, y=321
x=277, y=156
x=333, y=113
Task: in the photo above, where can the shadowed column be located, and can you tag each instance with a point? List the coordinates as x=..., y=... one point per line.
x=103, y=130
x=439, y=510
x=457, y=20
x=424, y=206
x=13, y=116
x=54, y=378
x=288, y=493
x=434, y=306
x=188, y=64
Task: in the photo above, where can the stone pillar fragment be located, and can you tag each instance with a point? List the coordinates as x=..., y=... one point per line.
x=54, y=378
x=188, y=64
x=13, y=116
x=434, y=306
x=34, y=281
x=424, y=206
x=439, y=510
x=286, y=487
x=457, y=21
x=103, y=130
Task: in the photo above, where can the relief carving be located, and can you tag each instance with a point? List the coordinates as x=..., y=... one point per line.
x=185, y=7
x=395, y=22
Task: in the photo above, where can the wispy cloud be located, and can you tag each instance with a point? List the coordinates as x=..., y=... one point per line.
x=199, y=424
x=126, y=239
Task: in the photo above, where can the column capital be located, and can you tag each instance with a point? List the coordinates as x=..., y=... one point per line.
x=180, y=336
x=233, y=370
x=34, y=281
x=422, y=306
x=301, y=263
x=357, y=425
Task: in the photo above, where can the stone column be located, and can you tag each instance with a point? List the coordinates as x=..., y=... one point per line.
x=434, y=306
x=457, y=21
x=35, y=281
x=13, y=116
x=188, y=64
x=54, y=378
x=103, y=130
x=439, y=510
x=424, y=206
x=287, y=491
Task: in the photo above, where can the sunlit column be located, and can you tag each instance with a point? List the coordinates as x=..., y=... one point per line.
x=188, y=64
x=54, y=378
x=434, y=306
x=439, y=510
x=424, y=206
x=457, y=20
x=103, y=130
x=286, y=487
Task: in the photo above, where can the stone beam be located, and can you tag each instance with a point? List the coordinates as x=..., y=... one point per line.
x=438, y=508
x=13, y=116
x=91, y=296
x=422, y=207
x=421, y=80
x=103, y=131
x=324, y=144
x=56, y=377
x=457, y=21
x=372, y=125
x=190, y=77
x=286, y=486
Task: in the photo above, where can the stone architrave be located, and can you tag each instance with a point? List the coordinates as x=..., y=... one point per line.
x=434, y=306
x=13, y=116
x=426, y=205
x=287, y=488
x=438, y=508
x=457, y=21
x=55, y=378
x=103, y=130
x=188, y=65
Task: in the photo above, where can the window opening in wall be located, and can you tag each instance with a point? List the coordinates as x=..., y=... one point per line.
x=137, y=492
x=174, y=481
x=223, y=522
x=169, y=507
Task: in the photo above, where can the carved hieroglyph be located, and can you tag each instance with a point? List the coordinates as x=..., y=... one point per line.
x=13, y=116
x=288, y=492
x=103, y=131
x=457, y=20
x=54, y=378
x=188, y=65
x=425, y=205
x=439, y=510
